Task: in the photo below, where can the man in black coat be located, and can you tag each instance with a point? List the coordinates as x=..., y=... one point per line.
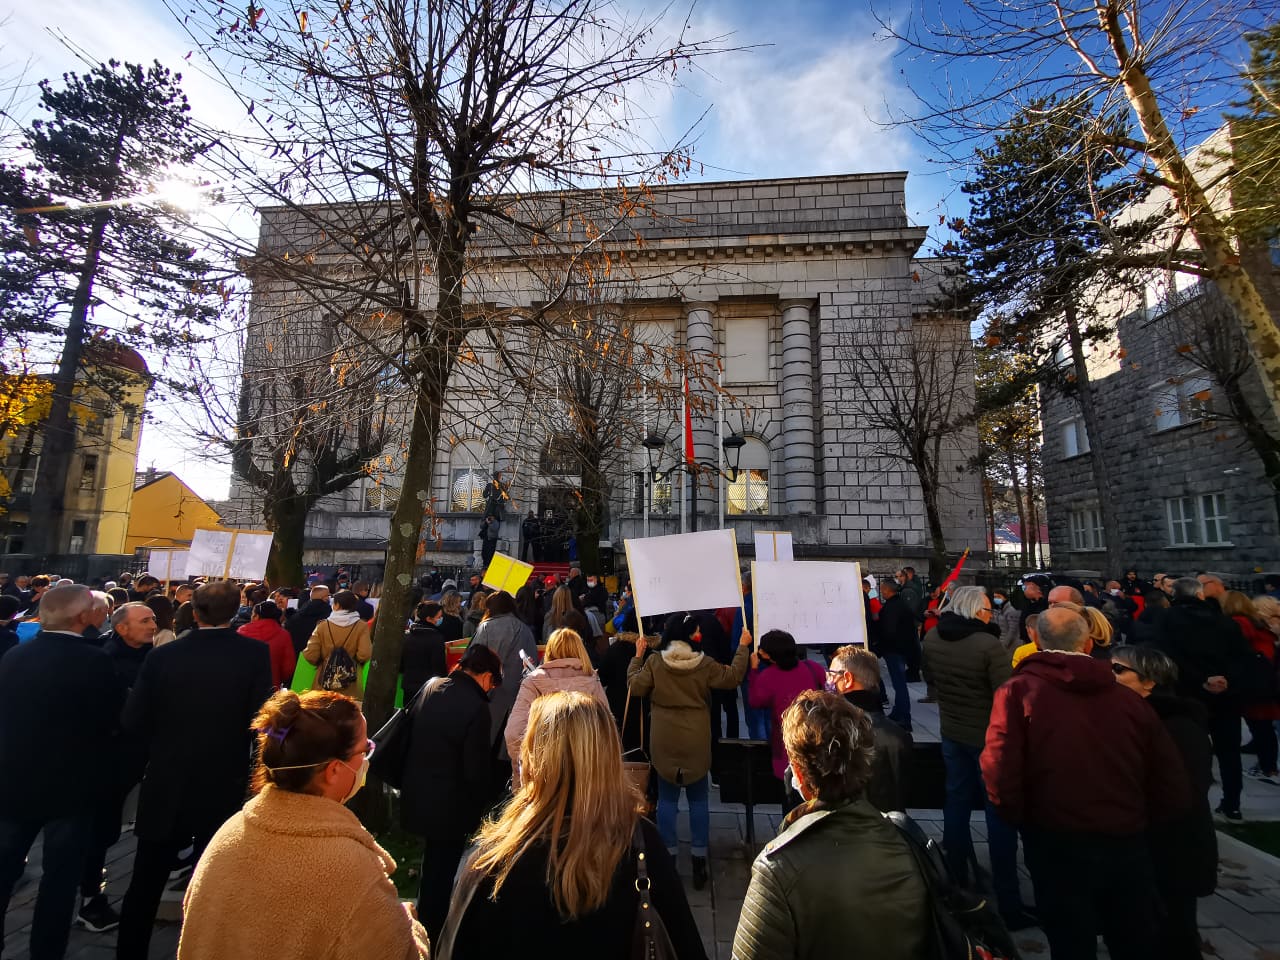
x=897, y=637
x=59, y=710
x=857, y=677
x=448, y=775
x=1214, y=664
x=531, y=538
x=192, y=706
x=303, y=623
x=10, y=607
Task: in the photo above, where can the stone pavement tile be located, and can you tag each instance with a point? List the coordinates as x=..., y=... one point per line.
x=1217, y=911
x=1228, y=945
x=1252, y=899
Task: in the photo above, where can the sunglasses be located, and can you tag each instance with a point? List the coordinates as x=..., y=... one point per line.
x=1120, y=668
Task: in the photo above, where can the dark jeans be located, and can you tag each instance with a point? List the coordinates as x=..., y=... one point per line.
x=151, y=865
x=487, y=549
x=758, y=720
x=1224, y=729
x=441, y=855
x=106, y=831
x=66, y=841
x=726, y=701
x=901, y=712
x=964, y=781
x=1264, y=740
x=1076, y=878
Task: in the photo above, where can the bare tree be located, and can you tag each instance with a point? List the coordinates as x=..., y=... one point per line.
x=407, y=142
x=1111, y=59
x=915, y=395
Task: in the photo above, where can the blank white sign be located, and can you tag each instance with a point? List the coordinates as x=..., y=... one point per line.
x=208, y=554
x=774, y=545
x=249, y=556
x=817, y=602
x=167, y=564
x=684, y=571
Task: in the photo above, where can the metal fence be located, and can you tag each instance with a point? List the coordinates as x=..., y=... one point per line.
x=81, y=567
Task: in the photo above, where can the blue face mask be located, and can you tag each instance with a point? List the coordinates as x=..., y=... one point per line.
x=830, y=686
x=998, y=601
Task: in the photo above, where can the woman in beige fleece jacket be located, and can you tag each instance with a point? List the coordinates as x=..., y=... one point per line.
x=566, y=666
x=294, y=875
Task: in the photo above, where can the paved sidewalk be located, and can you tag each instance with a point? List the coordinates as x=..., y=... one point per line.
x=1240, y=922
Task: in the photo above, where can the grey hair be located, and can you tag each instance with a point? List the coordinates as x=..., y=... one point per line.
x=60, y=607
x=121, y=613
x=860, y=662
x=967, y=601
x=1061, y=629
x=1150, y=663
x=1187, y=588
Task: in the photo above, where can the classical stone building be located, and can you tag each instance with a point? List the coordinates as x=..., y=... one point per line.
x=782, y=282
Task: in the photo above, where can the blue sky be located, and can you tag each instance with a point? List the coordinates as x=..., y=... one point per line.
x=809, y=98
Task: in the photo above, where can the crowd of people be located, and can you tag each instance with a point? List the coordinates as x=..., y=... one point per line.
x=1082, y=718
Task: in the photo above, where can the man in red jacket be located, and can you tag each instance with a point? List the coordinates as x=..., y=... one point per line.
x=1083, y=770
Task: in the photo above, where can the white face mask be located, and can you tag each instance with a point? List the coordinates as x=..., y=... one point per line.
x=357, y=782
x=591, y=583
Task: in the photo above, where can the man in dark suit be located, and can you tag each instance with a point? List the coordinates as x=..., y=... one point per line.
x=192, y=706
x=448, y=779
x=59, y=710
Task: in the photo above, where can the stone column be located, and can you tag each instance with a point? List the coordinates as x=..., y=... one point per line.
x=798, y=491
x=700, y=339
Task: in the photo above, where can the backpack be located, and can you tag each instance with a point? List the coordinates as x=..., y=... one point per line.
x=966, y=925
x=340, y=670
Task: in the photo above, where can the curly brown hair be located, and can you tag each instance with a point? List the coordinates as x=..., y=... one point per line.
x=830, y=744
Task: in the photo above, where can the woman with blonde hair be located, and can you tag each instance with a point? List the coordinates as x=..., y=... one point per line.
x=296, y=846
x=1100, y=632
x=1260, y=713
x=562, y=866
x=565, y=666
x=561, y=609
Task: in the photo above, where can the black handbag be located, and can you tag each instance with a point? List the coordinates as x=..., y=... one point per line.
x=391, y=756
x=649, y=938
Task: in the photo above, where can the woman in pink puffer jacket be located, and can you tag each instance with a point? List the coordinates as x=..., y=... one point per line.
x=566, y=666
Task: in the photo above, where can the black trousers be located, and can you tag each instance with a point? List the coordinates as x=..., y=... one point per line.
x=1224, y=730
x=726, y=700
x=151, y=865
x=65, y=841
x=440, y=858
x=1178, y=936
x=1076, y=876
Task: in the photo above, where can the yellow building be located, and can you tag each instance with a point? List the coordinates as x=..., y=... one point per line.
x=110, y=394
x=165, y=513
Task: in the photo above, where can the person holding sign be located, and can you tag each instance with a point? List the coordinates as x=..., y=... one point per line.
x=679, y=681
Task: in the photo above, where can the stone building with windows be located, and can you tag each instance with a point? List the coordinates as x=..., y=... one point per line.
x=777, y=282
x=1190, y=491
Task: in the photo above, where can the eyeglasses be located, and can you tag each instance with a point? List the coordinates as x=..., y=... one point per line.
x=1119, y=668
x=370, y=746
x=836, y=674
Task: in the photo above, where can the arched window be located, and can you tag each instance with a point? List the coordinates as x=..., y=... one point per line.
x=469, y=471
x=749, y=493
x=660, y=488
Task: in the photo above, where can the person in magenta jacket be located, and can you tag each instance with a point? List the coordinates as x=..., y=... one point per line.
x=777, y=687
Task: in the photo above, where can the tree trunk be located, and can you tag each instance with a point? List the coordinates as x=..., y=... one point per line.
x=1033, y=513
x=288, y=523
x=47, y=512
x=1016, y=484
x=938, y=554
x=1212, y=236
x=1097, y=459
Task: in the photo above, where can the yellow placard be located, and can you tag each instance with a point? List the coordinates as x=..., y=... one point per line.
x=507, y=573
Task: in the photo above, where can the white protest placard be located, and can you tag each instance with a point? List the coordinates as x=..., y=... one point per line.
x=249, y=552
x=209, y=552
x=160, y=563
x=817, y=602
x=774, y=545
x=178, y=564
x=684, y=571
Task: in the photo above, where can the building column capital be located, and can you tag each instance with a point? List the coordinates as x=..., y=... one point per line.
x=795, y=304
x=693, y=306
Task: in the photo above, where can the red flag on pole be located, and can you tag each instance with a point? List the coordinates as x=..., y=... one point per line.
x=951, y=578
x=688, y=423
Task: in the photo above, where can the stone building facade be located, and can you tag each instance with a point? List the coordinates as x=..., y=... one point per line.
x=1191, y=493
x=781, y=282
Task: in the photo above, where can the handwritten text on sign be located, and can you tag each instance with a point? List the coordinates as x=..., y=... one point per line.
x=816, y=602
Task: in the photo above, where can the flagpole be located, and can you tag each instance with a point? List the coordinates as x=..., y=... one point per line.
x=684, y=472
x=720, y=492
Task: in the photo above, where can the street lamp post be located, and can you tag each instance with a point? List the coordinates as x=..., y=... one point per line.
x=732, y=448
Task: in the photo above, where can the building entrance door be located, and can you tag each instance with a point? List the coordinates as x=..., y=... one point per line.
x=556, y=507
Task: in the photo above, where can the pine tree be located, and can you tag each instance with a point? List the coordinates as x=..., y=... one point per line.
x=104, y=259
